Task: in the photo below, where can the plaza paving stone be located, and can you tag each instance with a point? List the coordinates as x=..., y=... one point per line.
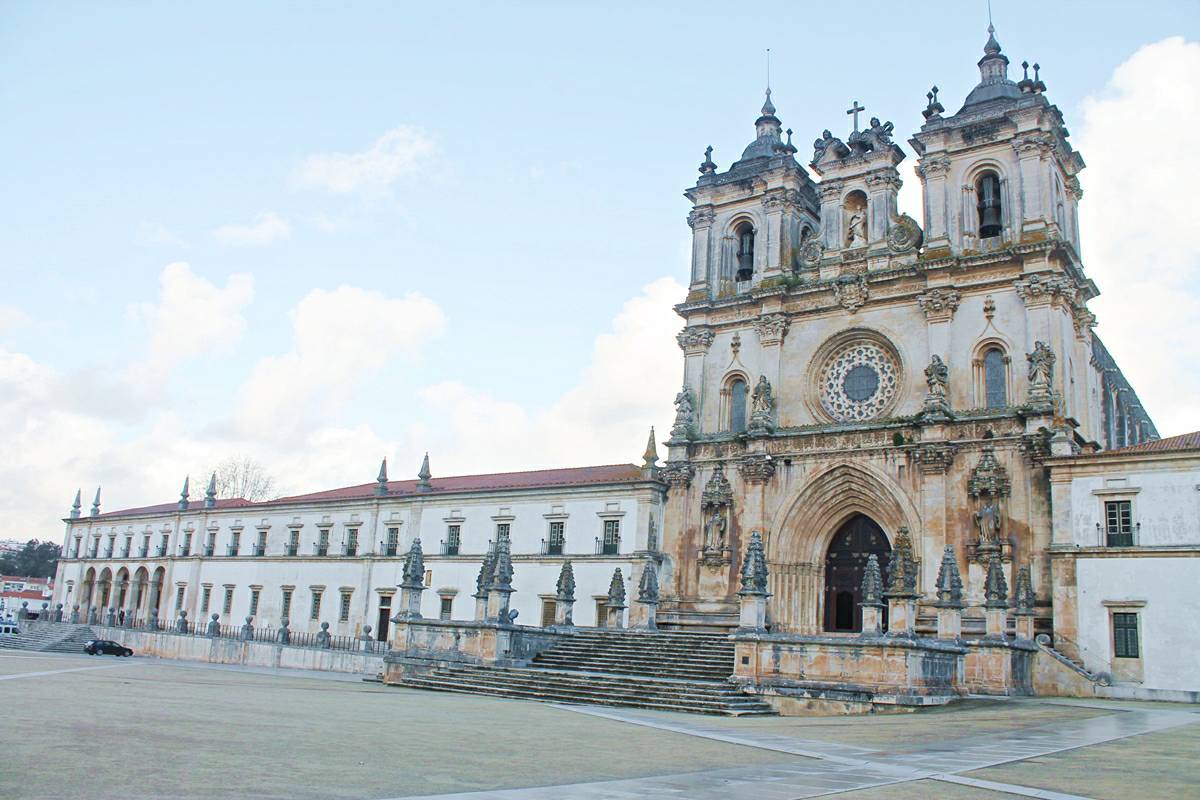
x=101, y=727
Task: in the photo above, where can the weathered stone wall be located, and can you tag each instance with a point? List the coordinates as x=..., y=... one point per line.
x=247, y=653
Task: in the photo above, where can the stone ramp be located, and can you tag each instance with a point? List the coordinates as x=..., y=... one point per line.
x=56, y=638
x=663, y=671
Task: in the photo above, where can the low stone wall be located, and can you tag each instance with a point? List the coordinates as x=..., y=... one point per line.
x=249, y=653
x=1003, y=667
x=422, y=645
x=848, y=674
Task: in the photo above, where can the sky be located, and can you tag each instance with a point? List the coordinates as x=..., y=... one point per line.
x=321, y=234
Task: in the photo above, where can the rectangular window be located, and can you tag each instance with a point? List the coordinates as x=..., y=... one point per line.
x=1118, y=516
x=162, y=547
x=211, y=544
x=260, y=547
x=293, y=546
x=1125, y=635
x=557, y=538
x=286, y=603
x=447, y=608
x=502, y=532
x=547, y=612
x=227, y=608
x=235, y=543
x=612, y=537
x=79, y=546
x=179, y=597
x=453, y=542
x=145, y=551
x=315, y=611
x=128, y=547
x=352, y=541
x=601, y=613
x=185, y=549
x=344, y=611
x=393, y=542
x=254, y=593
x=205, y=598
x=323, y=542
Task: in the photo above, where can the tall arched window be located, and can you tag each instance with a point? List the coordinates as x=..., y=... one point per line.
x=737, y=405
x=995, y=378
x=987, y=192
x=745, y=251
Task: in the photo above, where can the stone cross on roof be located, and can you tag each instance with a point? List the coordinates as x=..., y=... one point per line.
x=855, y=110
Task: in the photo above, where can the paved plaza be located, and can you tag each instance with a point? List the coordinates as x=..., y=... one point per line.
x=76, y=727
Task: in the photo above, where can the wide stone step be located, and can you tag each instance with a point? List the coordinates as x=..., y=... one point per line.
x=610, y=669
x=731, y=707
x=561, y=680
x=620, y=647
x=719, y=665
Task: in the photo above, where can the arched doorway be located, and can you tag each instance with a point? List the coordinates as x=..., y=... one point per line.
x=845, y=562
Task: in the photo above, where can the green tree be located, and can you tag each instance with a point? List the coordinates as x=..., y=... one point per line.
x=34, y=560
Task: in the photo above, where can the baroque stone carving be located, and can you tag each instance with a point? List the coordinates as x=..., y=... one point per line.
x=935, y=457
x=685, y=415
x=762, y=414
x=1041, y=371
x=872, y=585
x=811, y=253
x=995, y=586
x=695, y=339
x=829, y=144
x=648, y=586
x=565, y=588
x=716, y=501
x=851, y=293
x=988, y=486
x=1083, y=319
x=754, y=567
x=939, y=304
x=858, y=382
x=771, y=328
x=1037, y=289
x=677, y=473
x=937, y=379
x=902, y=567
x=1023, y=595
x=949, y=581
x=904, y=235
x=616, y=590
x=704, y=215
x=756, y=467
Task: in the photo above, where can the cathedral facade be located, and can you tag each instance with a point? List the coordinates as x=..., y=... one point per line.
x=851, y=376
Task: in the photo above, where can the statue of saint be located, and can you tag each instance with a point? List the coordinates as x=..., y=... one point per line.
x=1041, y=365
x=989, y=522
x=762, y=398
x=684, y=415
x=937, y=376
x=856, y=229
x=714, y=530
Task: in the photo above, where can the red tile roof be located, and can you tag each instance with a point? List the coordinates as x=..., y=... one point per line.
x=28, y=594
x=497, y=481
x=1172, y=444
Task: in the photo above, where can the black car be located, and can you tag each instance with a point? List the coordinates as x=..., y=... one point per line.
x=103, y=647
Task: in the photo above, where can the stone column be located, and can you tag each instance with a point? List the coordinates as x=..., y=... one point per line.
x=872, y=598
x=482, y=582
x=647, y=611
x=412, y=583
x=1024, y=601
x=500, y=591
x=616, y=600
x=902, y=591
x=753, y=593
x=995, y=600
x=564, y=599
x=933, y=171
x=950, y=597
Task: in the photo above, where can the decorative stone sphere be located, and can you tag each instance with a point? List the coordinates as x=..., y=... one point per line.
x=324, y=626
x=249, y=620
x=60, y=605
x=366, y=628
x=75, y=607
x=182, y=614
x=215, y=617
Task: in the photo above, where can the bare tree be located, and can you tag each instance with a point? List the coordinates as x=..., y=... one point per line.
x=242, y=476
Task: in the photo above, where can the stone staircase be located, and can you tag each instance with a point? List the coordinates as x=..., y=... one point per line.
x=52, y=638
x=665, y=671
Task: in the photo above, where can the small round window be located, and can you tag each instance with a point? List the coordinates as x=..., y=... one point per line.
x=861, y=383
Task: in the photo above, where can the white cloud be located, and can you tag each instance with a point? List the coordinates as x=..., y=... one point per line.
x=401, y=151
x=11, y=317
x=341, y=338
x=628, y=385
x=1136, y=219
x=149, y=234
x=192, y=316
x=268, y=227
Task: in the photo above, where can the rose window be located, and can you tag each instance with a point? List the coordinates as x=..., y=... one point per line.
x=858, y=382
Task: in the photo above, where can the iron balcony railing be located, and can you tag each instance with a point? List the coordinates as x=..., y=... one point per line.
x=608, y=547
x=291, y=549
x=449, y=548
x=553, y=547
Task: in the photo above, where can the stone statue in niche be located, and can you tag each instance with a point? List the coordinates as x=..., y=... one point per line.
x=715, y=529
x=763, y=407
x=989, y=522
x=685, y=415
x=1041, y=368
x=856, y=229
x=937, y=376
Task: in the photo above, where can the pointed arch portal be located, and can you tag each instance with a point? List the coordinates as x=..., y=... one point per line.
x=845, y=562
